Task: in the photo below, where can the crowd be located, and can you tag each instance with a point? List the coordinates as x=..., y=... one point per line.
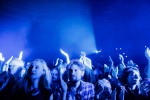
x=75, y=79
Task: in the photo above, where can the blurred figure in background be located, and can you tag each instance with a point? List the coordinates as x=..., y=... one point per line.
x=9, y=78
x=103, y=90
x=89, y=75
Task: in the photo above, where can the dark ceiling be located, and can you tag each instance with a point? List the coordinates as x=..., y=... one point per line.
x=41, y=27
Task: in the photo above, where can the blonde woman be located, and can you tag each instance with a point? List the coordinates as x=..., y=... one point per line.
x=35, y=85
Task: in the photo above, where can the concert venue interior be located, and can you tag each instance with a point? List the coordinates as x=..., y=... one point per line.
x=40, y=28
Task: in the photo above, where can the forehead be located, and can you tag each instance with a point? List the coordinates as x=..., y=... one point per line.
x=37, y=63
x=134, y=72
x=74, y=66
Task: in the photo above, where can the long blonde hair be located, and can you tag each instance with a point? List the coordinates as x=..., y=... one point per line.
x=45, y=79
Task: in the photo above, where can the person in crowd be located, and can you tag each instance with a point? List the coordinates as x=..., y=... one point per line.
x=131, y=80
x=78, y=89
x=9, y=78
x=57, y=84
x=103, y=90
x=35, y=85
x=85, y=60
x=89, y=75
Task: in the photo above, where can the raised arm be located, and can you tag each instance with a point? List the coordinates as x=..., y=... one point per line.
x=66, y=55
x=1, y=57
x=20, y=55
x=5, y=66
x=147, y=68
x=121, y=59
x=63, y=84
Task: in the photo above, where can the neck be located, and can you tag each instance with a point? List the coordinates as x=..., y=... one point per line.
x=75, y=85
x=34, y=83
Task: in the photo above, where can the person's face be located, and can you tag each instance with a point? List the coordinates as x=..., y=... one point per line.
x=13, y=67
x=75, y=73
x=36, y=70
x=133, y=77
x=55, y=76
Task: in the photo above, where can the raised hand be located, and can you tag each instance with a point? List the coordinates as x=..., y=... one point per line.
x=122, y=65
x=121, y=58
x=5, y=66
x=56, y=63
x=106, y=68
x=20, y=55
x=8, y=61
x=62, y=82
x=111, y=62
x=63, y=52
x=115, y=72
x=66, y=55
x=1, y=57
x=147, y=53
x=130, y=63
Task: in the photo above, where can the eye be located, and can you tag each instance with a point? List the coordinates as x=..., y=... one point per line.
x=36, y=67
x=76, y=70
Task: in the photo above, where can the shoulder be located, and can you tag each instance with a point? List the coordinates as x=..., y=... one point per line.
x=47, y=91
x=87, y=85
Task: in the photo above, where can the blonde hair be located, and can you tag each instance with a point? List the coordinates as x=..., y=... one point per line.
x=45, y=79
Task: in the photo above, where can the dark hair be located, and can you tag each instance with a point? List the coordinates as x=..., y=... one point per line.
x=76, y=62
x=126, y=73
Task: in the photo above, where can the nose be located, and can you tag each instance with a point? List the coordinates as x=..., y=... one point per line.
x=73, y=72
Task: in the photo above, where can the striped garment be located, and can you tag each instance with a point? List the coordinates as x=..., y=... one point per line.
x=84, y=92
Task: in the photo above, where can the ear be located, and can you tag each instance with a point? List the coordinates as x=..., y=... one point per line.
x=83, y=73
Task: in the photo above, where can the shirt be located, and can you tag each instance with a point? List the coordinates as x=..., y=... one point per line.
x=85, y=91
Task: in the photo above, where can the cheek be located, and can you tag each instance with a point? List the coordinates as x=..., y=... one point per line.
x=80, y=75
x=129, y=79
x=40, y=73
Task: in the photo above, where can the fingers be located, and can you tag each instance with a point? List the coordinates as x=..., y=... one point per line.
x=63, y=52
x=106, y=68
x=121, y=58
x=20, y=55
x=7, y=62
x=1, y=57
x=147, y=53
